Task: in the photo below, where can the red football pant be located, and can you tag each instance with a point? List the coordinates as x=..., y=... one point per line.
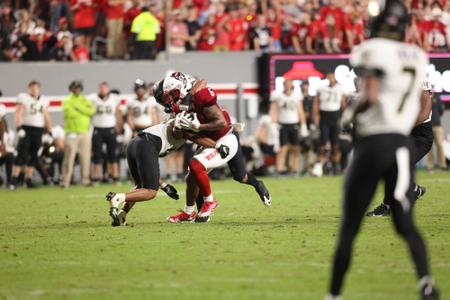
x=201, y=177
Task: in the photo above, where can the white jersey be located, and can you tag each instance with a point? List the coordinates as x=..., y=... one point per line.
x=33, y=114
x=9, y=141
x=287, y=106
x=265, y=121
x=330, y=97
x=403, y=68
x=105, y=111
x=141, y=111
x=2, y=111
x=168, y=142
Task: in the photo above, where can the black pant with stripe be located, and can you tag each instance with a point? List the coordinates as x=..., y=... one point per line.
x=388, y=158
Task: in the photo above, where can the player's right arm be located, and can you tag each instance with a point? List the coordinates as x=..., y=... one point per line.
x=216, y=119
x=316, y=109
x=425, y=107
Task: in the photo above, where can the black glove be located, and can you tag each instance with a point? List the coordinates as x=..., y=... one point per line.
x=224, y=151
x=168, y=109
x=171, y=191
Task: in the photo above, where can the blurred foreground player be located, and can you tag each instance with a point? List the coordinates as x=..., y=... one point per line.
x=422, y=135
x=392, y=73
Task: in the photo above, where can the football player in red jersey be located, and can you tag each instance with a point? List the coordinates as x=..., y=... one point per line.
x=182, y=92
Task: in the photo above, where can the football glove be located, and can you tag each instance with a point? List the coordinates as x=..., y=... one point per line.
x=303, y=130
x=170, y=190
x=177, y=123
x=190, y=123
x=224, y=150
x=21, y=132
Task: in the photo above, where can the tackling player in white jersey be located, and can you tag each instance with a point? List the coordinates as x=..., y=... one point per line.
x=391, y=73
x=142, y=109
x=143, y=153
x=286, y=109
x=31, y=118
x=107, y=122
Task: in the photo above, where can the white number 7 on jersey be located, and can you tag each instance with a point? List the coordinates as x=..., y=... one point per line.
x=412, y=72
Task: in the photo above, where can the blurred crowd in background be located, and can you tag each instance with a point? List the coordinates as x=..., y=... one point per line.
x=84, y=30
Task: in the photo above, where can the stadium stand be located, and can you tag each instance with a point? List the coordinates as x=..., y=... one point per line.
x=83, y=30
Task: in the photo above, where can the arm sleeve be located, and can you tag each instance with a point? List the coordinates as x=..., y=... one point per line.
x=205, y=97
x=20, y=99
x=68, y=108
x=135, y=25
x=274, y=96
x=87, y=108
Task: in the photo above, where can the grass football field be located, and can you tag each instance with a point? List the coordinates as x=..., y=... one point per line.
x=58, y=244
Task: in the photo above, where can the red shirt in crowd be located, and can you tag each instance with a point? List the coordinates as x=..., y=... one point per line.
x=317, y=29
x=84, y=16
x=237, y=34
x=275, y=29
x=130, y=14
x=114, y=11
x=436, y=33
x=81, y=54
x=337, y=13
x=207, y=38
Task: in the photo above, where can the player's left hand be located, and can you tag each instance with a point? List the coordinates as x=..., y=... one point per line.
x=304, y=131
x=190, y=123
x=347, y=118
x=171, y=191
x=177, y=123
x=224, y=150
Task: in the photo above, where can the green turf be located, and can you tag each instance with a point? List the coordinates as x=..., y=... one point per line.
x=57, y=244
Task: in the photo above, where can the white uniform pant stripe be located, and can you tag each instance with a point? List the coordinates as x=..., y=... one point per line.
x=403, y=177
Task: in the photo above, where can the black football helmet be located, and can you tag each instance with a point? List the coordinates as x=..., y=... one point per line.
x=158, y=92
x=75, y=84
x=392, y=21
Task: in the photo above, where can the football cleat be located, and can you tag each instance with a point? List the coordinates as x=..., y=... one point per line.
x=202, y=219
x=382, y=210
x=263, y=194
x=122, y=218
x=420, y=191
x=182, y=216
x=114, y=213
x=208, y=208
x=427, y=289
x=30, y=184
x=317, y=170
x=114, y=199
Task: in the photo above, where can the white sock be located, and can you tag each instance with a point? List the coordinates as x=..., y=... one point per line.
x=424, y=281
x=209, y=198
x=189, y=209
